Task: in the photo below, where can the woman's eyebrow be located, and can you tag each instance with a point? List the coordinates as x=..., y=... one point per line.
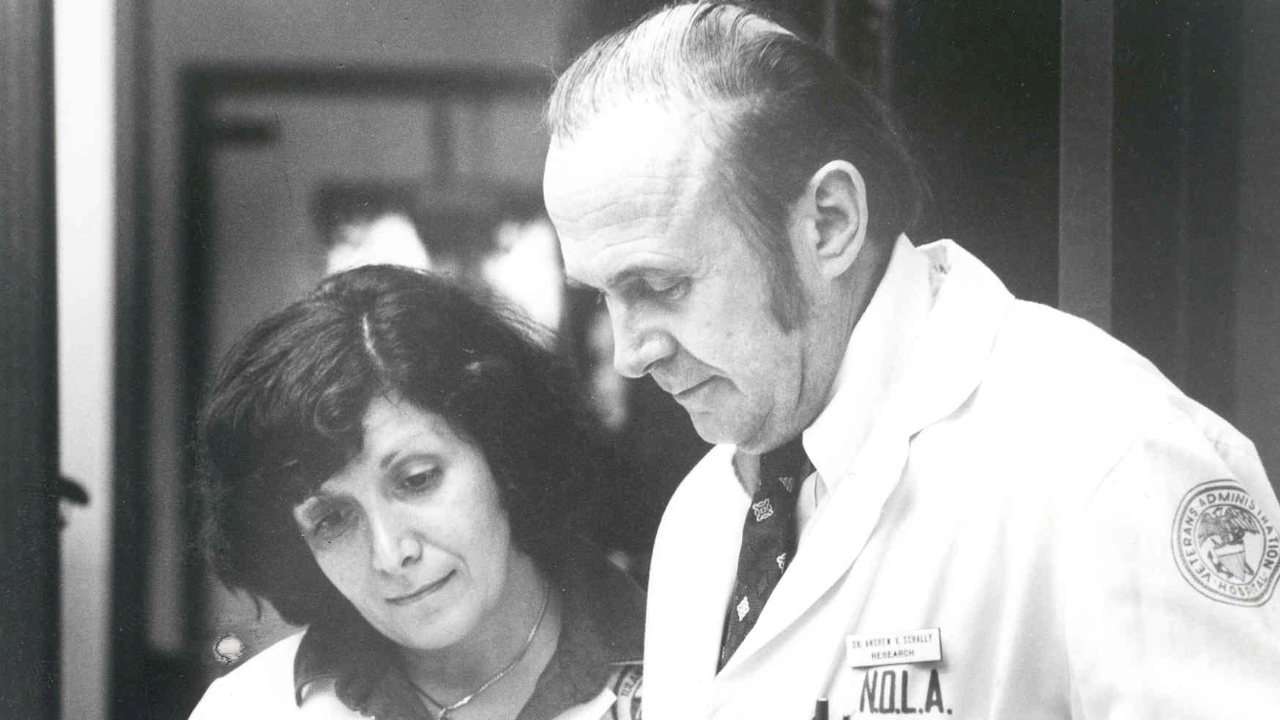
x=389, y=459
x=315, y=496
x=410, y=446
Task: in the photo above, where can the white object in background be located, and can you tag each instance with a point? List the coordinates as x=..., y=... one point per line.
x=84, y=97
x=526, y=269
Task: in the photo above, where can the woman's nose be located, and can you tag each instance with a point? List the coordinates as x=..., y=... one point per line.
x=394, y=545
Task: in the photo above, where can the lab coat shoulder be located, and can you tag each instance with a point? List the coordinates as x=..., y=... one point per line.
x=1167, y=551
x=1074, y=401
x=1171, y=569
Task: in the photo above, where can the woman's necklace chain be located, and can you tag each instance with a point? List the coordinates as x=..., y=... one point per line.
x=445, y=710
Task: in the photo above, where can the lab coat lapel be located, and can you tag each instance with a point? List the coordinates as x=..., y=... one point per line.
x=944, y=369
x=693, y=576
x=836, y=537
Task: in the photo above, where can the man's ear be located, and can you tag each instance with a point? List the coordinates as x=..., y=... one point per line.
x=832, y=216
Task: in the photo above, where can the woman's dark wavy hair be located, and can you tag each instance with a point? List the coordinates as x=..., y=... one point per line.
x=286, y=410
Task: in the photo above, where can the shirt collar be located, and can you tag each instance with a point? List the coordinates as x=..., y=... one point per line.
x=358, y=663
x=872, y=363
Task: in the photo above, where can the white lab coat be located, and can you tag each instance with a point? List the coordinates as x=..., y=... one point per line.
x=1026, y=487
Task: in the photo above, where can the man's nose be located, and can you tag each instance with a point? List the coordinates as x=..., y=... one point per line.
x=638, y=343
x=395, y=546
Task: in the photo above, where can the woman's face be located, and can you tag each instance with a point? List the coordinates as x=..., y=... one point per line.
x=412, y=531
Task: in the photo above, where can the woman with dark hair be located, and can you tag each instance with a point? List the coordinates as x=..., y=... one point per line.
x=392, y=462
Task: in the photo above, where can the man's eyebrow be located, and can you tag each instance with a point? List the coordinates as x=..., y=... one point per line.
x=629, y=275
x=620, y=278
x=576, y=284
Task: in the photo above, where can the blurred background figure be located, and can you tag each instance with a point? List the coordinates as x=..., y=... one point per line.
x=524, y=266
x=481, y=235
x=370, y=225
x=608, y=390
x=387, y=240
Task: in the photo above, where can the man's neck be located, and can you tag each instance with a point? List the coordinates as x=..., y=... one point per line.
x=833, y=326
x=824, y=335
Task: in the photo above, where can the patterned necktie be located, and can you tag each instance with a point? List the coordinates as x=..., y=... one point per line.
x=768, y=541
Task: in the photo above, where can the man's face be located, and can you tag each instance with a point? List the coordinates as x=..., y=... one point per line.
x=640, y=220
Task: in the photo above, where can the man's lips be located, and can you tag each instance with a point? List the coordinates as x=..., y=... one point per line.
x=689, y=391
x=422, y=591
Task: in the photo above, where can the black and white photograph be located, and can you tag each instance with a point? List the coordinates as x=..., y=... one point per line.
x=613, y=359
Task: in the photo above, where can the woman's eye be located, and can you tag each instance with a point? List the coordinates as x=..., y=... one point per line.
x=331, y=524
x=421, y=480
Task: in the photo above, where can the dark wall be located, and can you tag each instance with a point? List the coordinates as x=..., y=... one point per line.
x=29, y=587
x=1177, y=138
x=977, y=85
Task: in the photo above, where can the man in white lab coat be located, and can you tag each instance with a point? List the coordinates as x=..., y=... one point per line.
x=999, y=512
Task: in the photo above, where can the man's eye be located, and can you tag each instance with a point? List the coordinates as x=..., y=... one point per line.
x=668, y=288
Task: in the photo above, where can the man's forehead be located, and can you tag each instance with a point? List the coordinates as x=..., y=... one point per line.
x=634, y=141
x=631, y=245
x=623, y=183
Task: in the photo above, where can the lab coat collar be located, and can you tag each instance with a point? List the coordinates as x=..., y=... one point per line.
x=950, y=356
x=937, y=373
x=873, y=359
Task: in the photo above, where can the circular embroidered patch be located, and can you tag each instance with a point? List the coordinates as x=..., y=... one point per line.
x=628, y=686
x=1225, y=546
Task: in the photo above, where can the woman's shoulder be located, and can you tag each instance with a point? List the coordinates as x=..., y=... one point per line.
x=603, y=592
x=601, y=640
x=260, y=688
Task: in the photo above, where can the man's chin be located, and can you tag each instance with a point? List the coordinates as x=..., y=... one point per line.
x=719, y=428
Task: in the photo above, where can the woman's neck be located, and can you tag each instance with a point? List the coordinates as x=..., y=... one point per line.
x=449, y=674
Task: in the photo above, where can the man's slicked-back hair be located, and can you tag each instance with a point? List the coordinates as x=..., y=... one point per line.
x=778, y=108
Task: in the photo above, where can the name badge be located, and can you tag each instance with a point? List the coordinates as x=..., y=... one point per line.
x=913, y=646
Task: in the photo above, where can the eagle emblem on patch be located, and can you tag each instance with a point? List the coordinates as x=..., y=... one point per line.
x=1225, y=546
